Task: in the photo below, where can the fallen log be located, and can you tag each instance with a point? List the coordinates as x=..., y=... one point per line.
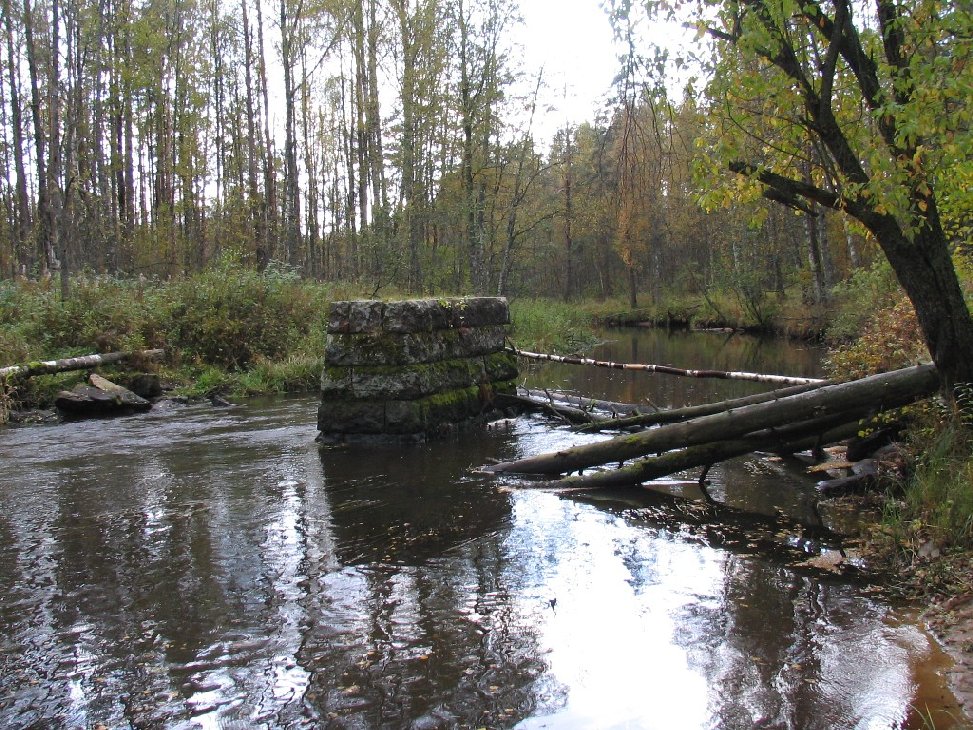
x=669, y=370
x=675, y=415
x=788, y=439
x=878, y=392
x=565, y=412
x=46, y=367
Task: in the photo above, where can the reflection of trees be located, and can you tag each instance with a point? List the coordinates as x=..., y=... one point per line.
x=718, y=351
x=780, y=650
x=425, y=629
x=432, y=642
x=164, y=582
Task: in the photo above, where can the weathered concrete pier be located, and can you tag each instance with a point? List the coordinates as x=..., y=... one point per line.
x=413, y=369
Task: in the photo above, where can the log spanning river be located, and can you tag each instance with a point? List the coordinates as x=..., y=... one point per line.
x=205, y=567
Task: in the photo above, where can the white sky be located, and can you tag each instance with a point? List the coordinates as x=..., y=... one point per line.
x=573, y=41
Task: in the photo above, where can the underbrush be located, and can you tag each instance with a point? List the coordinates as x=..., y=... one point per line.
x=228, y=329
x=551, y=325
x=931, y=512
x=927, y=526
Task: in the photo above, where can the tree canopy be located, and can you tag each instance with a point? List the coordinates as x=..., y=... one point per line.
x=863, y=108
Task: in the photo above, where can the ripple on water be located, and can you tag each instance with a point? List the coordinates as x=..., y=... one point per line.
x=204, y=568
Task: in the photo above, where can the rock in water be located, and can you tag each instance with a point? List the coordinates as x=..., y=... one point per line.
x=101, y=398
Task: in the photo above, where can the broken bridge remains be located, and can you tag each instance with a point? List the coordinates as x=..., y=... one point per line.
x=409, y=370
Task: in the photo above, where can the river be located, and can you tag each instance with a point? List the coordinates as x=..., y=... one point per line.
x=213, y=568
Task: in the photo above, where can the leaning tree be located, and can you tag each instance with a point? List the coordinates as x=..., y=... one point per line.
x=864, y=108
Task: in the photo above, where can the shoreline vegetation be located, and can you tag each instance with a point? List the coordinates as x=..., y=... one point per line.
x=232, y=332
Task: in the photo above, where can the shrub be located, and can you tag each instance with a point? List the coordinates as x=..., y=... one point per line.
x=229, y=315
x=890, y=339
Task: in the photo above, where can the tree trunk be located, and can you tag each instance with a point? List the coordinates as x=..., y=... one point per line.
x=47, y=256
x=887, y=390
x=568, y=215
x=22, y=206
x=81, y=362
x=788, y=439
x=675, y=415
x=669, y=370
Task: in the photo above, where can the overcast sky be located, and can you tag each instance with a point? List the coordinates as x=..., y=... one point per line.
x=572, y=40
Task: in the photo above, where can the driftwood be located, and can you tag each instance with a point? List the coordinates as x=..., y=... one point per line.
x=675, y=415
x=669, y=370
x=47, y=367
x=878, y=392
x=612, y=408
x=551, y=407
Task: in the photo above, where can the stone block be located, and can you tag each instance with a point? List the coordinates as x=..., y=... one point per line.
x=453, y=406
x=335, y=382
x=407, y=369
x=342, y=416
x=384, y=382
x=405, y=416
x=414, y=315
x=481, y=311
x=500, y=366
x=475, y=341
x=408, y=382
x=355, y=317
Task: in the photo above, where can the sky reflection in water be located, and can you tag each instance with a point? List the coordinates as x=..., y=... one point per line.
x=203, y=568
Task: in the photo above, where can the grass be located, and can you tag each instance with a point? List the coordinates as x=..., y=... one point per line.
x=551, y=325
x=931, y=512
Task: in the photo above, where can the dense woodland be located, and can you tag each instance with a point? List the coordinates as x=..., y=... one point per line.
x=390, y=142
x=384, y=141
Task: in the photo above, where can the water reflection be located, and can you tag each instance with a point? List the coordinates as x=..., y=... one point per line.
x=212, y=568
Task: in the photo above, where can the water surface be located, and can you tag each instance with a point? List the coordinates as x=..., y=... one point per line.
x=201, y=567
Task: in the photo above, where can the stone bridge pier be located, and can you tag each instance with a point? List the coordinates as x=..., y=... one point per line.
x=410, y=370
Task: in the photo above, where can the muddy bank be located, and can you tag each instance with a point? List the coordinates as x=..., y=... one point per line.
x=952, y=625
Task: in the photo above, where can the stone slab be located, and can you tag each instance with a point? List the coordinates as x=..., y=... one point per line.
x=356, y=316
x=417, y=315
x=384, y=348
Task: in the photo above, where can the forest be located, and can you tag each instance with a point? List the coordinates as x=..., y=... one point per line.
x=391, y=143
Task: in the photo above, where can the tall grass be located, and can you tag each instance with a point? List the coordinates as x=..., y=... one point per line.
x=227, y=329
x=937, y=498
x=551, y=325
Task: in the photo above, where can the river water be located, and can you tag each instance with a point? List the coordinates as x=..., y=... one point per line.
x=205, y=567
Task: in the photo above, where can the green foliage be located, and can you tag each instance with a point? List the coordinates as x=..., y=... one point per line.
x=936, y=504
x=550, y=325
x=889, y=339
x=228, y=329
x=229, y=315
x=856, y=299
x=102, y=315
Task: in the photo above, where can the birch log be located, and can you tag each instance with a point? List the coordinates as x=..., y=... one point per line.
x=669, y=370
x=46, y=367
x=878, y=392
